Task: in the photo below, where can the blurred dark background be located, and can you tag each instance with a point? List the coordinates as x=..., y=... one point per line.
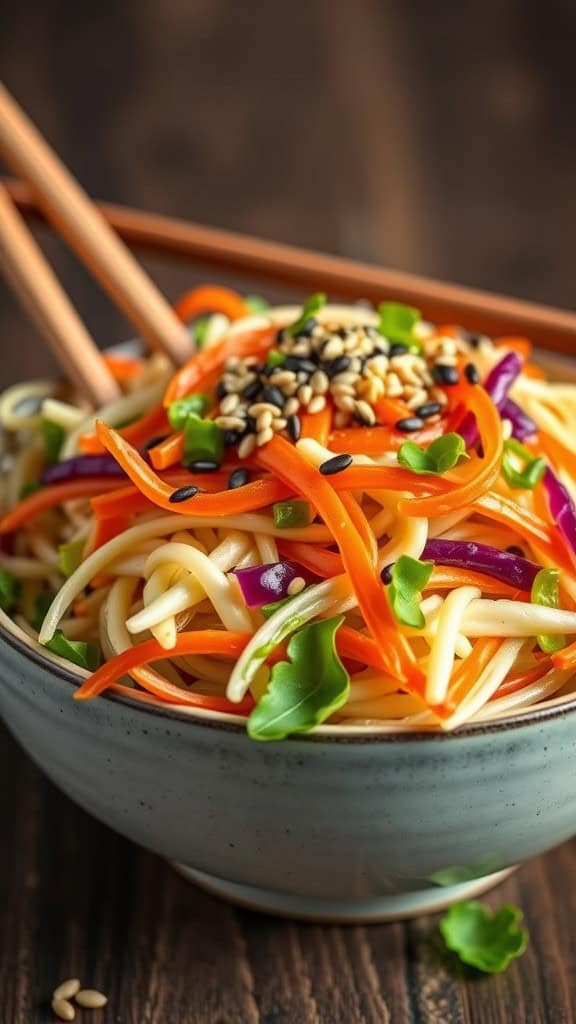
x=435, y=137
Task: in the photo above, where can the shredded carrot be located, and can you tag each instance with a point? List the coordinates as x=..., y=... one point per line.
x=478, y=475
x=359, y=520
x=311, y=557
x=168, y=452
x=132, y=502
x=317, y=425
x=210, y=298
x=377, y=440
x=50, y=497
x=540, y=535
x=559, y=454
x=252, y=496
x=467, y=673
x=106, y=529
x=286, y=463
x=123, y=368
x=352, y=644
x=566, y=658
x=390, y=410
x=394, y=478
x=199, y=374
x=446, y=578
x=519, y=681
x=137, y=433
x=520, y=345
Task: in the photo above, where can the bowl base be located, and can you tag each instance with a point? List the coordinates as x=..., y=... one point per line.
x=393, y=907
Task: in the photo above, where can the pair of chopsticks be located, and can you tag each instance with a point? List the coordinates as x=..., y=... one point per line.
x=80, y=222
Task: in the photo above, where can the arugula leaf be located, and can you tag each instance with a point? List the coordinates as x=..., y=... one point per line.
x=526, y=478
x=443, y=454
x=546, y=592
x=397, y=323
x=312, y=306
x=79, y=653
x=41, y=606
x=70, y=556
x=256, y=304
x=9, y=591
x=304, y=692
x=53, y=439
x=182, y=408
x=409, y=578
x=483, y=939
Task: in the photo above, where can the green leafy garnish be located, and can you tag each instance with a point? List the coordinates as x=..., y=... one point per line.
x=305, y=691
x=30, y=488
x=546, y=591
x=182, y=408
x=198, y=330
x=41, y=606
x=526, y=478
x=79, y=653
x=256, y=304
x=312, y=306
x=53, y=439
x=409, y=578
x=291, y=514
x=9, y=591
x=443, y=454
x=483, y=939
x=397, y=323
x=269, y=609
x=275, y=358
x=70, y=556
x=203, y=440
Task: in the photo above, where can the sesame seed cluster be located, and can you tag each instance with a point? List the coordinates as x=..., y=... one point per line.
x=353, y=367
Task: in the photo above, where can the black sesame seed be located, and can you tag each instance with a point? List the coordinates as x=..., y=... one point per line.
x=203, y=466
x=250, y=427
x=474, y=340
x=335, y=464
x=267, y=371
x=154, y=441
x=472, y=375
x=299, y=364
x=294, y=427
x=515, y=550
x=444, y=374
x=252, y=390
x=274, y=396
x=342, y=332
x=307, y=328
x=221, y=390
x=428, y=409
x=338, y=365
x=386, y=574
x=398, y=350
x=183, y=493
x=231, y=437
x=238, y=478
x=280, y=336
x=410, y=424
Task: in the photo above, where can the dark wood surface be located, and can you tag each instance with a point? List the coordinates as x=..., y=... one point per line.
x=438, y=138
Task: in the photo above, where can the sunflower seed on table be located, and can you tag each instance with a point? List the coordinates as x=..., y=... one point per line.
x=63, y=1009
x=67, y=989
x=91, y=999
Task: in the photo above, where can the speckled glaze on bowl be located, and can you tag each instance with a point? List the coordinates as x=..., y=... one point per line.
x=339, y=826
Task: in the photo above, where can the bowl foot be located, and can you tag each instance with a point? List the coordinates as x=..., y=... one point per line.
x=393, y=907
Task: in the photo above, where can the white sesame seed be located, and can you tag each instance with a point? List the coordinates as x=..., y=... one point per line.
x=282, y=377
x=342, y=389
x=290, y=387
x=279, y=423
x=351, y=345
x=333, y=348
x=355, y=365
x=264, y=436
x=316, y=404
x=393, y=385
x=91, y=999
x=232, y=362
x=345, y=402
x=346, y=377
x=439, y=396
x=319, y=382
x=63, y=1009
x=448, y=347
x=371, y=389
x=417, y=399
x=295, y=586
x=365, y=412
x=67, y=989
x=264, y=420
x=229, y=422
x=304, y=393
x=259, y=407
x=247, y=446
x=228, y=404
x=302, y=348
x=291, y=405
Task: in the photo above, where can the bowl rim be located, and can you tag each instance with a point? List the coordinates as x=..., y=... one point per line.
x=346, y=734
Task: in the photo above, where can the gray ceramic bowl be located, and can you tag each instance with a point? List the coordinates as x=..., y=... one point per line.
x=340, y=826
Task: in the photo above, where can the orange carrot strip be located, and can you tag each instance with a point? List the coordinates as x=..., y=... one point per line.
x=566, y=658
x=132, y=502
x=559, y=454
x=467, y=673
x=317, y=425
x=203, y=641
x=210, y=298
x=538, y=533
x=105, y=530
x=357, y=516
x=137, y=433
x=447, y=578
x=286, y=463
x=168, y=452
x=199, y=373
x=377, y=440
x=518, y=682
x=479, y=474
x=394, y=478
x=316, y=559
x=520, y=345
x=390, y=410
x=123, y=368
x=363, y=649
x=252, y=496
x=156, y=684
x=50, y=497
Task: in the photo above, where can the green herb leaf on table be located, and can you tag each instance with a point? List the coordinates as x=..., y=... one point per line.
x=397, y=323
x=305, y=691
x=546, y=592
x=533, y=469
x=79, y=653
x=312, y=306
x=409, y=578
x=443, y=454
x=53, y=439
x=182, y=408
x=9, y=591
x=483, y=939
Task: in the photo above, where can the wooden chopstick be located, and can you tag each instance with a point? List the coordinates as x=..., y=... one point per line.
x=33, y=280
x=71, y=211
x=548, y=327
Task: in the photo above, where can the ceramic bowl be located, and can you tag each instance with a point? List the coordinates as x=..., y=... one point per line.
x=344, y=825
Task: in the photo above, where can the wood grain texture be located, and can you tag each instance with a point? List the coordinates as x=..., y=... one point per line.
x=438, y=138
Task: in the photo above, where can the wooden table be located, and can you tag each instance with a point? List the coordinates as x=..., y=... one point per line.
x=335, y=132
